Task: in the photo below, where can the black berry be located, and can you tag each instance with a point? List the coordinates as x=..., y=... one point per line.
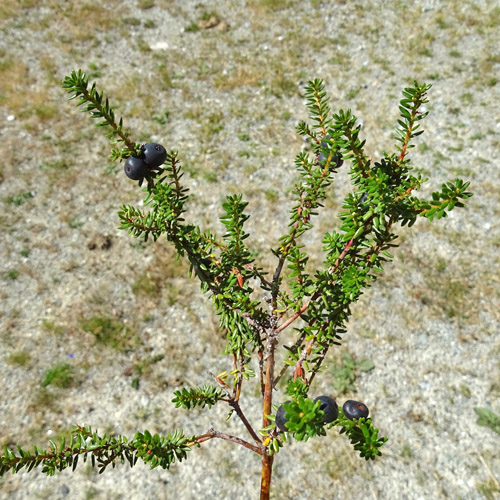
x=337, y=160
x=154, y=154
x=329, y=408
x=135, y=168
x=280, y=419
x=355, y=409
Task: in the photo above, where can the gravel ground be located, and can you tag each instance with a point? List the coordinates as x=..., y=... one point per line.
x=222, y=83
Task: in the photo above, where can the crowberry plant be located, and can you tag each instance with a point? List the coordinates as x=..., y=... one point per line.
x=383, y=196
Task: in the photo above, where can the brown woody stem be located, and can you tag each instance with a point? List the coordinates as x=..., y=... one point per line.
x=212, y=433
x=267, y=460
x=236, y=406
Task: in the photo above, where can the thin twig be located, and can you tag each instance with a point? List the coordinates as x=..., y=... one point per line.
x=212, y=433
x=237, y=408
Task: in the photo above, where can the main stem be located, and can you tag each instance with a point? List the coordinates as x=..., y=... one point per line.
x=267, y=459
x=267, y=470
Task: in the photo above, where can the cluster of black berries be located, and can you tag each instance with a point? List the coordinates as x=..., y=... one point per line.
x=147, y=164
x=351, y=409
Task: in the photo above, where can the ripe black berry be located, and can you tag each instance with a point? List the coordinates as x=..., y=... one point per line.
x=280, y=419
x=329, y=408
x=135, y=168
x=154, y=154
x=355, y=409
x=336, y=162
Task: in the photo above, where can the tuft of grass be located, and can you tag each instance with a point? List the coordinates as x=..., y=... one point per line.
x=465, y=391
x=12, y=274
x=21, y=358
x=490, y=489
x=61, y=376
x=91, y=493
x=18, y=199
x=191, y=28
x=271, y=5
x=145, y=4
x=142, y=45
x=131, y=21
x=406, y=451
x=12, y=75
x=164, y=78
x=109, y=332
x=43, y=400
x=44, y=111
x=147, y=284
x=74, y=223
x=282, y=86
x=213, y=124
x=243, y=136
x=51, y=327
x=210, y=176
x=143, y=368
x=271, y=195
x=240, y=77
x=353, y=93
x=442, y=23
x=161, y=118
x=467, y=98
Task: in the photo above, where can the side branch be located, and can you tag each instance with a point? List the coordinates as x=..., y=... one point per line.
x=212, y=433
x=236, y=406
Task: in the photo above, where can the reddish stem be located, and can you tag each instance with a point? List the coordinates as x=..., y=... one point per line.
x=234, y=404
x=267, y=470
x=212, y=433
x=267, y=460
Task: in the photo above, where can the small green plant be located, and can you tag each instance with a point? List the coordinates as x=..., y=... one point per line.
x=255, y=306
x=109, y=332
x=12, y=274
x=19, y=199
x=60, y=376
x=50, y=326
x=21, y=358
x=344, y=375
x=488, y=419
